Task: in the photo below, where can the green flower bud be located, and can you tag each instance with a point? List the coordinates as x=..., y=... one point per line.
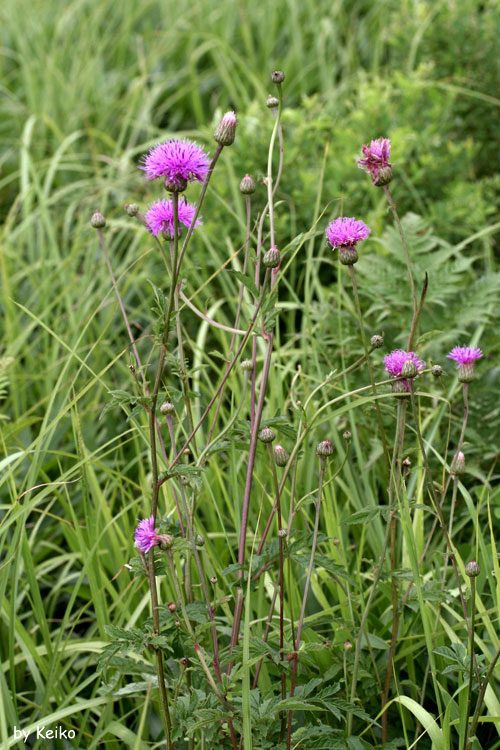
x=266, y=435
x=97, y=221
x=272, y=258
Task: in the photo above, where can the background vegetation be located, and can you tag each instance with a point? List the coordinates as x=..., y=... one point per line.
x=87, y=87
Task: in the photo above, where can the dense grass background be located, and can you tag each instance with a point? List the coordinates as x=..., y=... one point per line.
x=86, y=88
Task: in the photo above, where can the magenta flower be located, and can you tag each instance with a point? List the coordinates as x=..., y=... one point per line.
x=177, y=162
x=160, y=217
x=465, y=357
x=395, y=361
x=375, y=160
x=146, y=536
x=344, y=231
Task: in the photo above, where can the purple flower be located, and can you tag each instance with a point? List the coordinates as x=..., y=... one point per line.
x=465, y=357
x=376, y=158
x=160, y=217
x=395, y=361
x=146, y=536
x=177, y=161
x=346, y=232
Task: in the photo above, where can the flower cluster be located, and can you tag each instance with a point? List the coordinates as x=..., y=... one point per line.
x=160, y=217
x=375, y=161
x=177, y=162
x=396, y=360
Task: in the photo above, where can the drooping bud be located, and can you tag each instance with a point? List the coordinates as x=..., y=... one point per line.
x=200, y=541
x=226, y=129
x=247, y=185
x=472, y=569
x=167, y=408
x=377, y=341
x=437, y=371
x=266, y=435
x=97, y=221
x=280, y=455
x=272, y=258
x=277, y=76
x=175, y=186
x=246, y=365
x=458, y=464
x=348, y=255
x=132, y=209
x=272, y=102
x=410, y=369
x=325, y=448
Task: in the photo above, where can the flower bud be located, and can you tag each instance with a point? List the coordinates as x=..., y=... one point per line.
x=226, y=129
x=272, y=102
x=132, y=209
x=175, y=186
x=377, y=341
x=272, y=258
x=348, y=645
x=172, y=606
x=384, y=176
x=266, y=435
x=213, y=580
x=167, y=408
x=348, y=255
x=200, y=541
x=458, y=464
x=437, y=371
x=325, y=448
x=336, y=541
x=347, y=435
x=472, y=569
x=165, y=541
x=246, y=365
x=410, y=369
x=184, y=661
x=97, y=221
x=277, y=76
x=247, y=185
x=282, y=533
x=280, y=455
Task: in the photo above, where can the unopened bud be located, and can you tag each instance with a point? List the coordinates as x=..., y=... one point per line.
x=336, y=541
x=280, y=455
x=184, y=661
x=97, y=221
x=472, y=569
x=226, y=129
x=177, y=623
x=132, y=209
x=175, y=186
x=437, y=371
x=348, y=645
x=277, y=76
x=325, y=448
x=282, y=533
x=200, y=541
x=172, y=606
x=266, y=435
x=410, y=369
x=247, y=185
x=377, y=341
x=458, y=463
x=348, y=255
x=167, y=408
x=272, y=258
x=347, y=435
x=272, y=102
x=213, y=580
x=246, y=365
x=165, y=541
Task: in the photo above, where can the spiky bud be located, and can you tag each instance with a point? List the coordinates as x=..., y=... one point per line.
x=277, y=76
x=348, y=255
x=377, y=341
x=247, y=185
x=272, y=258
x=347, y=435
x=280, y=455
x=175, y=186
x=410, y=369
x=226, y=129
x=472, y=569
x=97, y=221
x=272, y=102
x=167, y=408
x=325, y=448
x=266, y=435
x=246, y=365
x=458, y=464
x=200, y=541
x=437, y=371
x=132, y=209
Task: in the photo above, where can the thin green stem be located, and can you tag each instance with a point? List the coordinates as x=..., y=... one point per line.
x=471, y=648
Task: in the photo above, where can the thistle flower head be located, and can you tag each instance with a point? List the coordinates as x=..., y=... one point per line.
x=395, y=361
x=465, y=357
x=160, y=217
x=375, y=161
x=226, y=129
x=146, y=536
x=346, y=231
x=177, y=162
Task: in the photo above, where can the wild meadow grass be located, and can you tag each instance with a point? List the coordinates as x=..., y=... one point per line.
x=87, y=89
